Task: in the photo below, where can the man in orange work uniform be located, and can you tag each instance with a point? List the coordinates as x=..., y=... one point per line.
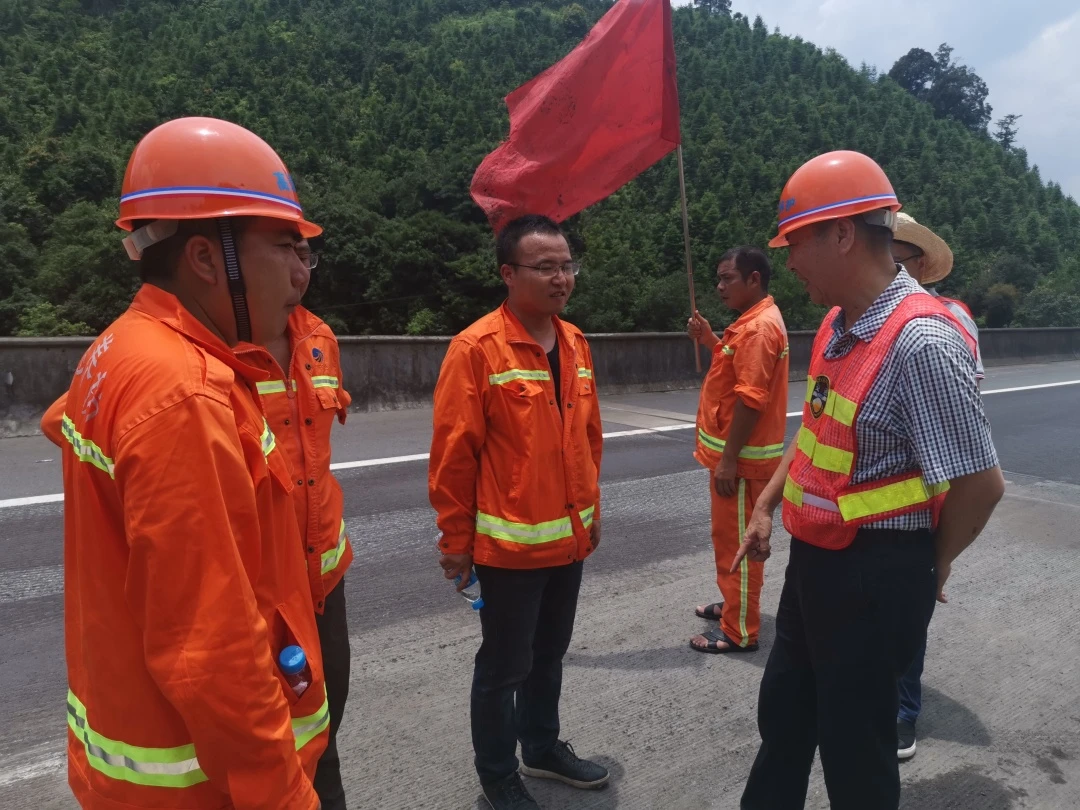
x=514, y=478
x=300, y=408
x=741, y=420
x=184, y=573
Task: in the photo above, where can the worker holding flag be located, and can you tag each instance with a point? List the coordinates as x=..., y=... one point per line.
x=740, y=437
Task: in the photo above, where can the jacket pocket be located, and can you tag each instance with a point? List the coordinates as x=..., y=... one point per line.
x=283, y=634
x=328, y=398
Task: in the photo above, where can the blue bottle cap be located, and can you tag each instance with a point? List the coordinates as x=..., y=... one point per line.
x=292, y=660
x=479, y=603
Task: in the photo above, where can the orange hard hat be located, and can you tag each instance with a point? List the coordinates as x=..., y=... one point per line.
x=831, y=186
x=205, y=168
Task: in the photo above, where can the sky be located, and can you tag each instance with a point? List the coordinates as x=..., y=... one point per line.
x=1027, y=52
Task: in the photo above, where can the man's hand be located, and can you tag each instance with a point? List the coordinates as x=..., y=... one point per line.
x=595, y=535
x=943, y=572
x=699, y=330
x=725, y=479
x=457, y=564
x=755, y=544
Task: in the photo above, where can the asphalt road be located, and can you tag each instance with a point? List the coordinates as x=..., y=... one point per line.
x=1001, y=721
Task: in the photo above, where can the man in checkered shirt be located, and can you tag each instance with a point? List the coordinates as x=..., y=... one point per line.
x=892, y=476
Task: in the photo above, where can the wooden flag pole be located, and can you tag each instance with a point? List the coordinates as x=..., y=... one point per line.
x=686, y=245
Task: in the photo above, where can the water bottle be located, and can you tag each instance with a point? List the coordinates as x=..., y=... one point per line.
x=471, y=592
x=294, y=667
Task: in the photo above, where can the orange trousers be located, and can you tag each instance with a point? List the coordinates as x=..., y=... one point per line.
x=740, y=620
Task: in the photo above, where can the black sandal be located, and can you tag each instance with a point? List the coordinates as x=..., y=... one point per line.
x=711, y=616
x=714, y=638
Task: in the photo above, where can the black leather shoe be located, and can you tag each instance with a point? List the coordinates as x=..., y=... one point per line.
x=563, y=764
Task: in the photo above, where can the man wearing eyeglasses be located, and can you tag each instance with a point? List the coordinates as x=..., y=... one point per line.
x=514, y=479
x=300, y=401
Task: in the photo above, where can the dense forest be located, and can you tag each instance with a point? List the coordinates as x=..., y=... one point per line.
x=384, y=108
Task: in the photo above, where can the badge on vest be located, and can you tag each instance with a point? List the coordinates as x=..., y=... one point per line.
x=819, y=396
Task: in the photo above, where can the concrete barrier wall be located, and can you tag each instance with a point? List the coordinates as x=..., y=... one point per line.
x=400, y=372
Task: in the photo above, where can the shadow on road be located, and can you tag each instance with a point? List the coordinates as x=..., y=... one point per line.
x=963, y=789
x=675, y=656
x=943, y=718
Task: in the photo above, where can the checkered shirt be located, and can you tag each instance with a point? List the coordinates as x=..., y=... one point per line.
x=923, y=412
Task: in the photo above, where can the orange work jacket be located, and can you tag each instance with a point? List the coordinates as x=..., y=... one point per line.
x=821, y=506
x=300, y=408
x=750, y=363
x=515, y=482
x=184, y=578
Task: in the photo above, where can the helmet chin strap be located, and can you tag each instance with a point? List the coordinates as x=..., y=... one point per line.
x=237, y=289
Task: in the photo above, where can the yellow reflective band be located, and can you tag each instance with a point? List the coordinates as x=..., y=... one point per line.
x=325, y=382
x=268, y=440
x=331, y=558
x=530, y=534
x=748, y=451
x=306, y=729
x=792, y=492
x=155, y=767
x=888, y=498
x=86, y=450
x=784, y=353
x=838, y=407
x=273, y=386
x=727, y=350
x=585, y=373
x=744, y=569
x=518, y=374
x=824, y=456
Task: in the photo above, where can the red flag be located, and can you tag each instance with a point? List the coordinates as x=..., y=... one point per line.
x=590, y=123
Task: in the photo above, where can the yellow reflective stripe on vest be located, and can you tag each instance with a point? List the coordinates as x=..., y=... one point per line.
x=792, y=491
x=86, y=450
x=268, y=440
x=154, y=767
x=727, y=350
x=306, y=729
x=331, y=558
x=784, y=353
x=838, y=407
x=748, y=451
x=518, y=374
x=888, y=498
x=273, y=386
x=530, y=534
x=325, y=382
x=585, y=373
x=824, y=456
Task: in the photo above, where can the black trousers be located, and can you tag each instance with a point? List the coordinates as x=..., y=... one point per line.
x=334, y=637
x=848, y=626
x=527, y=621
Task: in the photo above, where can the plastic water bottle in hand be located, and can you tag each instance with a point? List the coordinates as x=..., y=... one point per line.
x=294, y=667
x=471, y=592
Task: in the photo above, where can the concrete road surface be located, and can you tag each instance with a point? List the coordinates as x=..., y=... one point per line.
x=1001, y=721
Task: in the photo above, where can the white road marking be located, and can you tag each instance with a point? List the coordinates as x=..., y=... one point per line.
x=618, y=434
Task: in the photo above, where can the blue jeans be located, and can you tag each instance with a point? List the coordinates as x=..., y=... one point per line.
x=910, y=684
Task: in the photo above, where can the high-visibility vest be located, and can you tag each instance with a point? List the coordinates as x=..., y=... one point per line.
x=821, y=506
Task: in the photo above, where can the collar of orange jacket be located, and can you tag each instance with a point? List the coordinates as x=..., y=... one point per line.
x=752, y=313
x=302, y=324
x=166, y=307
x=516, y=332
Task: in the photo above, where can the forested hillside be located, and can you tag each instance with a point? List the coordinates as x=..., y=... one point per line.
x=384, y=108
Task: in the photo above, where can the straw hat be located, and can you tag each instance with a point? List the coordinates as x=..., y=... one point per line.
x=938, y=258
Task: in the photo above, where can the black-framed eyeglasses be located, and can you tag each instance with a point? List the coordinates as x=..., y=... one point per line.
x=907, y=258
x=548, y=270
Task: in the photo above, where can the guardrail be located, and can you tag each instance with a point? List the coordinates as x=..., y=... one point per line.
x=386, y=372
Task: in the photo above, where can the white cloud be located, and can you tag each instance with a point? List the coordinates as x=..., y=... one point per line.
x=1028, y=53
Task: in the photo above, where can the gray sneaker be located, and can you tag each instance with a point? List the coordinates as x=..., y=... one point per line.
x=563, y=764
x=509, y=794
